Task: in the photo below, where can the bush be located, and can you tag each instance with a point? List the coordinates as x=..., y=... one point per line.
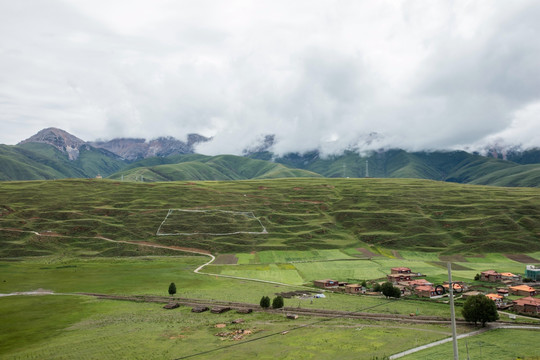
x=480, y=308
x=277, y=303
x=390, y=290
x=477, y=277
x=265, y=302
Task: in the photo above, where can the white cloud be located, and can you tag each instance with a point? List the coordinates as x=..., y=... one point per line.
x=317, y=74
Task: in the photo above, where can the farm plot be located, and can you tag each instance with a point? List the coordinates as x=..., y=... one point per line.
x=209, y=222
x=283, y=273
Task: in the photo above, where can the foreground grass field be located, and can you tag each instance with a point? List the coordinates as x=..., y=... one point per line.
x=71, y=326
x=68, y=327
x=59, y=236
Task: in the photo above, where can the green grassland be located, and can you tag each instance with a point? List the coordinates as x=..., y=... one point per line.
x=67, y=327
x=51, y=237
x=495, y=344
x=299, y=214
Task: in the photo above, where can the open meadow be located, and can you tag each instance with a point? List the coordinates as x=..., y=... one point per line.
x=87, y=236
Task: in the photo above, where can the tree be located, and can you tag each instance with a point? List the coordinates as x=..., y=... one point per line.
x=364, y=284
x=377, y=287
x=479, y=308
x=477, y=277
x=172, y=289
x=390, y=290
x=396, y=292
x=277, y=302
x=265, y=302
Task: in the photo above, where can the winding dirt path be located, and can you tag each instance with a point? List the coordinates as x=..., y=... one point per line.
x=159, y=246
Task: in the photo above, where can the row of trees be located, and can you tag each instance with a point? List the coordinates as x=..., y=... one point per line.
x=277, y=303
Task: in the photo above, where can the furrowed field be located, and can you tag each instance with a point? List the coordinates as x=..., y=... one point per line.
x=74, y=236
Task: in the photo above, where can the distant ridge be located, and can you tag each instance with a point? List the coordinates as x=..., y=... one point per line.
x=54, y=153
x=136, y=149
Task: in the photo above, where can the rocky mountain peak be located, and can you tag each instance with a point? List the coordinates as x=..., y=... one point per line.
x=60, y=139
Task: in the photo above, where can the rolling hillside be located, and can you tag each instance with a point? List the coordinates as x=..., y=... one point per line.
x=53, y=154
x=35, y=161
x=200, y=167
x=294, y=214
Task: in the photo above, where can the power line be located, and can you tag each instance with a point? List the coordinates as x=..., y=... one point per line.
x=274, y=334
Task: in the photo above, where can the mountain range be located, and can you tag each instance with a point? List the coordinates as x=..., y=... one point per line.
x=53, y=153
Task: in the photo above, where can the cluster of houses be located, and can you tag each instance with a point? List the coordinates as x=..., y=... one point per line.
x=401, y=277
x=514, y=286
x=412, y=283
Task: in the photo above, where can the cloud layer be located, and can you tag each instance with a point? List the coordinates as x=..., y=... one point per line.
x=324, y=75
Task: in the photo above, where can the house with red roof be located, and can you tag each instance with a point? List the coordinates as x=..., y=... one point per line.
x=528, y=305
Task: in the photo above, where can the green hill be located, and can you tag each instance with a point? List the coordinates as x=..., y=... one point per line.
x=200, y=167
x=294, y=214
x=451, y=166
x=36, y=161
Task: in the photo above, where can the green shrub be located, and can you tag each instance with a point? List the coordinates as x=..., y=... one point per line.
x=277, y=303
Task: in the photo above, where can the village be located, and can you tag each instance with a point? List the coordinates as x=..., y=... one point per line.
x=509, y=291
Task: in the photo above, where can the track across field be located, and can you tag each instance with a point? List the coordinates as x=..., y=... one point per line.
x=209, y=222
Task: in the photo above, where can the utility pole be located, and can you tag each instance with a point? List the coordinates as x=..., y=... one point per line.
x=452, y=311
x=367, y=169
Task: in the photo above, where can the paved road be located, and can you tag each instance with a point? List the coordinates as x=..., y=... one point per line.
x=472, y=333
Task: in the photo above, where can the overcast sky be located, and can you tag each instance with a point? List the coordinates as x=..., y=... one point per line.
x=324, y=75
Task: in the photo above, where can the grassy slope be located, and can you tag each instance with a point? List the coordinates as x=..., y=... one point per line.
x=200, y=167
x=453, y=166
x=299, y=214
x=34, y=161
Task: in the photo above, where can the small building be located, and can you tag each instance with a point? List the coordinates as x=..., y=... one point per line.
x=400, y=270
x=490, y=275
x=353, y=289
x=457, y=288
x=395, y=278
x=416, y=282
x=510, y=277
x=326, y=283
x=527, y=305
x=425, y=291
x=522, y=290
x=502, y=292
x=532, y=272
x=498, y=299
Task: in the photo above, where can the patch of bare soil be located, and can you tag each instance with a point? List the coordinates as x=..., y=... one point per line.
x=522, y=258
x=226, y=259
x=234, y=335
x=169, y=246
x=368, y=253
